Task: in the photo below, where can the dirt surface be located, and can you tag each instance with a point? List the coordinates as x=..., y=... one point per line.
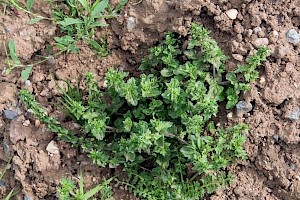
x=272, y=170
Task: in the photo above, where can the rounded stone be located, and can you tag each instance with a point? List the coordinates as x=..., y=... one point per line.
x=232, y=13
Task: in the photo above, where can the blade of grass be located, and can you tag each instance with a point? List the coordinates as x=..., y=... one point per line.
x=5, y=168
x=9, y=195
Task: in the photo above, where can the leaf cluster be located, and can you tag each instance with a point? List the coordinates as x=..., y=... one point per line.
x=159, y=126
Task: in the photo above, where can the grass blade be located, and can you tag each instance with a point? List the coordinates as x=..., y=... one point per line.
x=9, y=195
x=81, y=184
x=5, y=168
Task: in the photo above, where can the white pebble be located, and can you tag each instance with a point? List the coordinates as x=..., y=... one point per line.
x=130, y=23
x=26, y=123
x=232, y=13
x=52, y=148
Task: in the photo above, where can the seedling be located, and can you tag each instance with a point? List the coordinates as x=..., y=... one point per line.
x=14, y=62
x=159, y=126
x=69, y=191
x=81, y=20
x=27, y=8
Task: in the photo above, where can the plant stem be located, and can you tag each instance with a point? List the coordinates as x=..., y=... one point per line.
x=175, y=136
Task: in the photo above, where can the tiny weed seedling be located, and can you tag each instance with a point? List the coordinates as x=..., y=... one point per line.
x=13, y=61
x=77, y=21
x=69, y=191
x=159, y=126
x=27, y=8
x=80, y=21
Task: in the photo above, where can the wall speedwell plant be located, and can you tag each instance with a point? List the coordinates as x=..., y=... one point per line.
x=159, y=126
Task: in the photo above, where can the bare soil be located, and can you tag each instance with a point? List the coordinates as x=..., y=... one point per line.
x=272, y=170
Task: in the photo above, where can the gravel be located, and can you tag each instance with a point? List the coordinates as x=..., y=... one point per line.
x=9, y=114
x=294, y=115
x=292, y=36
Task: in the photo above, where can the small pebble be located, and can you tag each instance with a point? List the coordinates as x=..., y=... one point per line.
x=2, y=183
x=276, y=138
x=293, y=167
x=130, y=23
x=29, y=114
x=9, y=114
x=52, y=148
x=232, y=13
x=27, y=198
x=230, y=115
x=292, y=36
x=26, y=123
x=28, y=83
x=244, y=106
x=295, y=114
x=262, y=80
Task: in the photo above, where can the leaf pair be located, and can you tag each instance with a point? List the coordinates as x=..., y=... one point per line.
x=16, y=61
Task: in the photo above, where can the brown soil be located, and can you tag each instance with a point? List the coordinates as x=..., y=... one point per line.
x=272, y=170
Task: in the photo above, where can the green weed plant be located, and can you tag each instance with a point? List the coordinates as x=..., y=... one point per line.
x=77, y=20
x=159, y=127
x=69, y=191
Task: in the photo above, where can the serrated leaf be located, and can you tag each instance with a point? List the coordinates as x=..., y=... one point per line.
x=26, y=72
x=29, y=4
x=34, y=20
x=12, y=52
x=99, y=8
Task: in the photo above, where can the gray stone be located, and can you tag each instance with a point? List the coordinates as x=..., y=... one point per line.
x=292, y=36
x=2, y=183
x=9, y=114
x=52, y=148
x=244, y=106
x=295, y=114
x=130, y=23
x=276, y=138
x=27, y=198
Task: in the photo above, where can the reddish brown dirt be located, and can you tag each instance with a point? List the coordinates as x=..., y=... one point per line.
x=272, y=168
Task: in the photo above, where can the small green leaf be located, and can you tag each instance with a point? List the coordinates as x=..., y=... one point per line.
x=29, y=4
x=99, y=8
x=84, y=4
x=120, y=5
x=35, y=20
x=70, y=21
x=12, y=52
x=7, y=71
x=26, y=72
x=96, y=45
